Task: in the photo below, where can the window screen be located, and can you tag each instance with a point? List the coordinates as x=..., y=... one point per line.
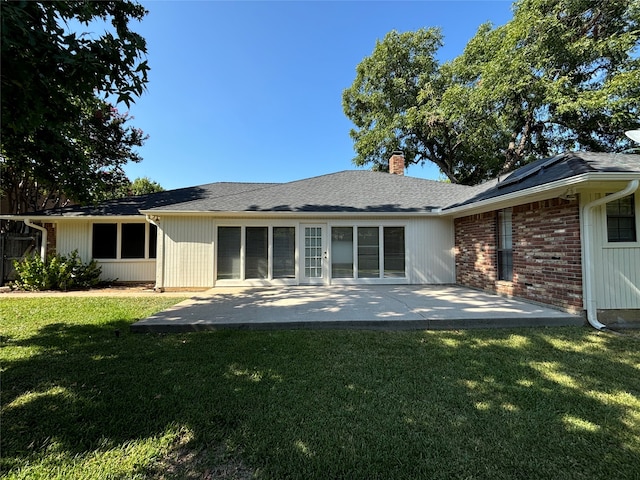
x=369, y=252
x=228, y=252
x=132, y=242
x=342, y=252
x=505, y=245
x=257, y=256
x=394, y=261
x=284, y=252
x=105, y=238
x=621, y=220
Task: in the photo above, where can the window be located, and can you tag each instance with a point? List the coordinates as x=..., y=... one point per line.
x=505, y=245
x=394, y=255
x=245, y=253
x=369, y=252
x=229, y=239
x=153, y=240
x=132, y=242
x=105, y=240
x=257, y=256
x=124, y=241
x=342, y=252
x=621, y=220
x=284, y=252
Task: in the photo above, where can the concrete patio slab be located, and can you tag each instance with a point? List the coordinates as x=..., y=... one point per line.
x=366, y=307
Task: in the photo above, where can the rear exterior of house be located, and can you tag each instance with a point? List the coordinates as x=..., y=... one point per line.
x=545, y=233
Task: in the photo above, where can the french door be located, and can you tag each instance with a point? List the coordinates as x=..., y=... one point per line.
x=313, y=254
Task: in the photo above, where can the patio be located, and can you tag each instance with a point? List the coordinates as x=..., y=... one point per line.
x=352, y=307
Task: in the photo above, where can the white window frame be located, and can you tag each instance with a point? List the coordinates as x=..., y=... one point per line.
x=147, y=233
x=605, y=230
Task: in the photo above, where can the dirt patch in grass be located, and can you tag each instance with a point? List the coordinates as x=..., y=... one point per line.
x=185, y=462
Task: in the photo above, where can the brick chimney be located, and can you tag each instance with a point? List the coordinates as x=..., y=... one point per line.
x=396, y=163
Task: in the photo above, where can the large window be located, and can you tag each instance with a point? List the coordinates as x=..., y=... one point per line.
x=229, y=245
x=621, y=220
x=250, y=256
x=342, y=252
x=105, y=240
x=394, y=255
x=284, y=252
x=505, y=245
x=380, y=252
x=369, y=252
x=123, y=241
x=257, y=256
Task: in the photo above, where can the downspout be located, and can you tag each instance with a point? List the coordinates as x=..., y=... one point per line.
x=587, y=210
x=43, y=245
x=159, y=287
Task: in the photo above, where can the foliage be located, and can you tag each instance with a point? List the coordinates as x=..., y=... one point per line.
x=58, y=273
x=140, y=186
x=561, y=75
x=61, y=137
x=81, y=402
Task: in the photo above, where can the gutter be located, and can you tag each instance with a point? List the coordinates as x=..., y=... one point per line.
x=43, y=243
x=589, y=264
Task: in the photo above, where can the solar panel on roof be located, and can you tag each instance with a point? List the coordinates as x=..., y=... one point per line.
x=526, y=172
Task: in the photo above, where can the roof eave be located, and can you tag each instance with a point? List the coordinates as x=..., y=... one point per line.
x=532, y=193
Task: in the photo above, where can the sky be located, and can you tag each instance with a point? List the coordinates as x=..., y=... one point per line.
x=251, y=91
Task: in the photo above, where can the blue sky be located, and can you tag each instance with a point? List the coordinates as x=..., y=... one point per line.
x=252, y=91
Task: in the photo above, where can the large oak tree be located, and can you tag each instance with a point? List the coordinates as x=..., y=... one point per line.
x=561, y=75
x=61, y=135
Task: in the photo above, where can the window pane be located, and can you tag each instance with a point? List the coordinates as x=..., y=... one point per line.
x=505, y=245
x=228, y=252
x=394, y=260
x=284, y=252
x=105, y=237
x=342, y=252
x=153, y=241
x=368, y=252
x=132, y=242
x=257, y=256
x=621, y=220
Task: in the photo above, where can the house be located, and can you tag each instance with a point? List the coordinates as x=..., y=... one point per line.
x=561, y=231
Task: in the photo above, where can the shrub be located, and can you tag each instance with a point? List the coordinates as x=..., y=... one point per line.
x=58, y=273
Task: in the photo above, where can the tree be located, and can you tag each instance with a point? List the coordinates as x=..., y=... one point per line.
x=140, y=186
x=61, y=136
x=562, y=74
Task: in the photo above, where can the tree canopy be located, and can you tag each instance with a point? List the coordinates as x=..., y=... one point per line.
x=561, y=75
x=61, y=135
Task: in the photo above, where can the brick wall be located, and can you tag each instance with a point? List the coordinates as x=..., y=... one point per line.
x=546, y=253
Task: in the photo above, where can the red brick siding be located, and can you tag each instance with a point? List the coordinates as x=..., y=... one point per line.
x=546, y=253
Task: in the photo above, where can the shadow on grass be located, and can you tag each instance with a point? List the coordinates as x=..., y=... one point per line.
x=548, y=403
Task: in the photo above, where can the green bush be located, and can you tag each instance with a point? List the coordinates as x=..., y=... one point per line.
x=58, y=273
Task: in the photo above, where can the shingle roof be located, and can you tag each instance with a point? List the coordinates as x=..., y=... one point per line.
x=356, y=191
x=347, y=191
x=548, y=170
x=133, y=205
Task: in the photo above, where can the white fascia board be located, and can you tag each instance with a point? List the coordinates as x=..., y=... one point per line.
x=532, y=194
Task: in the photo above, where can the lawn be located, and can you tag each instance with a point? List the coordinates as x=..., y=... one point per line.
x=79, y=401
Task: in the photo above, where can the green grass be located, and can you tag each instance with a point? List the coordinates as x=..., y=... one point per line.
x=79, y=402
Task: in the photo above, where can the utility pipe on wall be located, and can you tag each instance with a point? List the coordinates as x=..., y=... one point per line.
x=43, y=245
x=590, y=269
